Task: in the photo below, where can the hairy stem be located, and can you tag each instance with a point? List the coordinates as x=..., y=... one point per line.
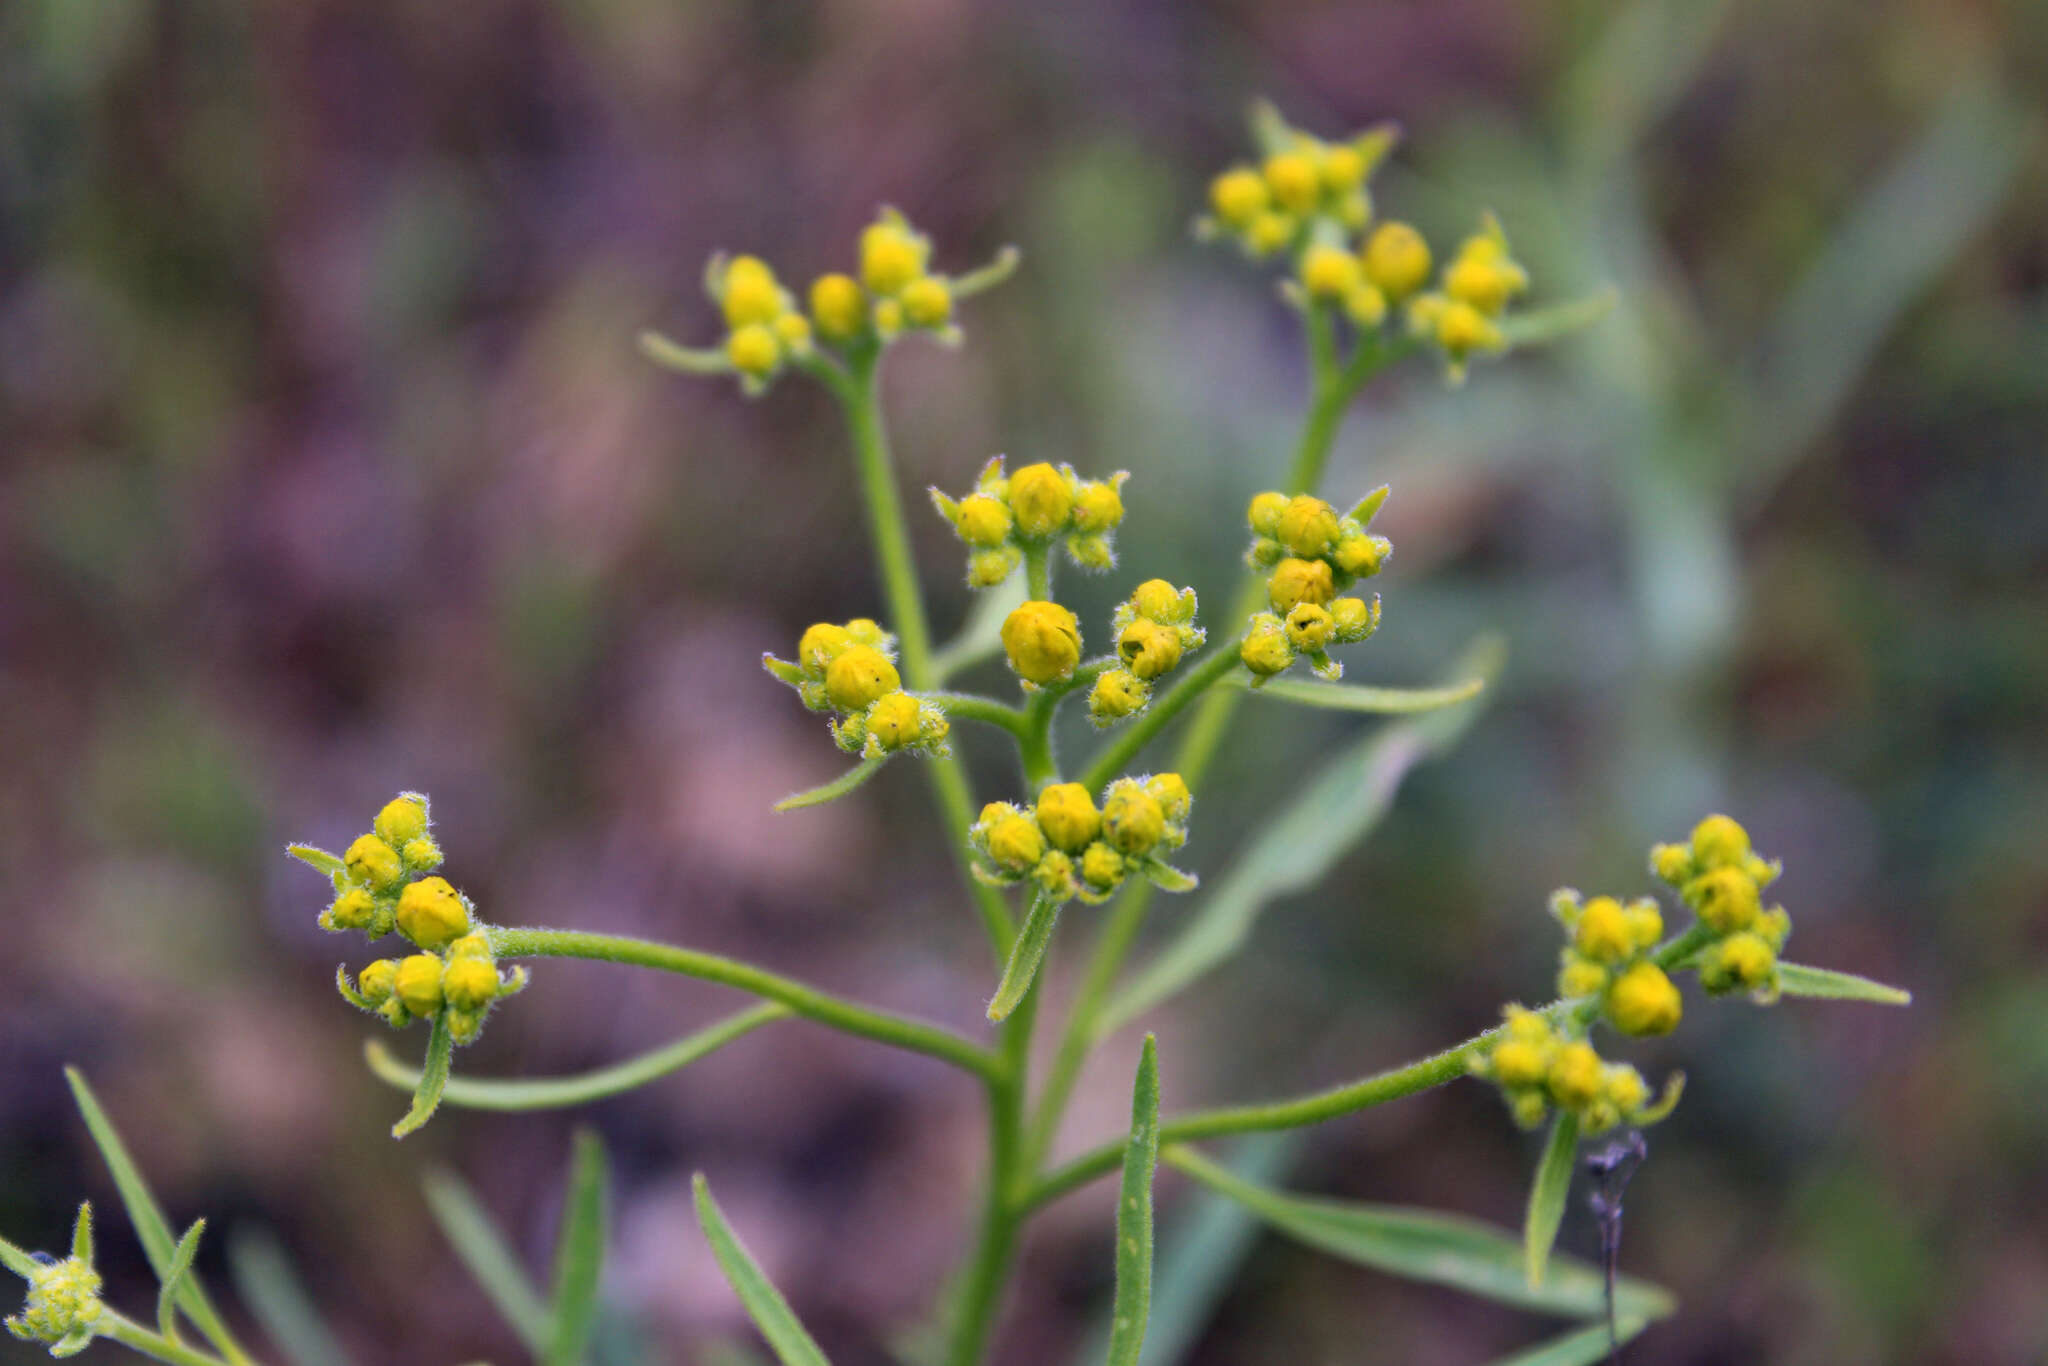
x=971, y=707
x=132, y=1335
x=980, y=1294
x=1038, y=571
x=1117, y=755
x=809, y=1002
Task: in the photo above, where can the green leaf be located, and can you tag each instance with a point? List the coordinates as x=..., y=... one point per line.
x=1134, y=1215
x=16, y=1260
x=1025, y=956
x=764, y=1303
x=1349, y=697
x=488, y=1257
x=1796, y=979
x=1424, y=1245
x=72, y=1343
x=1547, y=1193
x=1538, y=326
x=275, y=1295
x=1327, y=816
x=983, y=278
x=981, y=637
x=426, y=1097
x=837, y=788
x=579, y=1254
x=81, y=1235
x=1580, y=1348
x=689, y=360
x=181, y=1266
x=152, y=1230
x=321, y=860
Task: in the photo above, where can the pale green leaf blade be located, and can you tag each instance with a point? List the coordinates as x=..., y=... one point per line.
x=1547, y=1192
x=152, y=1230
x=984, y=278
x=1538, y=326
x=1134, y=1215
x=488, y=1257
x=1580, y=1348
x=174, y=1280
x=554, y=1093
x=16, y=1260
x=278, y=1298
x=837, y=788
x=1424, y=1245
x=1825, y=984
x=764, y=1303
x=1293, y=851
x=1025, y=956
x=426, y=1096
x=319, y=860
x=1357, y=697
x=981, y=636
x=688, y=360
x=579, y=1253
x=81, y=1235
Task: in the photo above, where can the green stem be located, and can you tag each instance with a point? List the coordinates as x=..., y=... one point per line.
x=1038, y=571
x=132, y=1335
x=1002, y=1217
x=1034, y=741
x=1117, y=755
x=809, y=1002
x=971, y=707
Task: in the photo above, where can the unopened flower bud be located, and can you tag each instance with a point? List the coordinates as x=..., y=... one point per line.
x=753, y=350
x=1117, y=693
x=895, y=720
x=1725, y=899
x=1265, y=650
x=403, y=818
x=859, y=675
x=751, y=294
x=469, y=983
x=1352, y=619
x=1296, y=581
x=1603, y=933
x=1099, y=506
x=1309, y=627
x=1015, y=842
x=1574, y=1077
x=421, y=855
x=1361, y=554
x=987, y=568
x=838, y=307
x=1040, y=500
x=1157, y=600
x=1043, y=641
x=793, y=333
x=1132, y=819
x=982, y=520
x=1148, y=649
x=1238, y=196
x=927, y=303
x=377, y=981
x=373, y=863
x=354, y=909
x=1292, y=180
x=1718, y=842
x=1270, y=232
x=1581, y=977
x=1396, y=259
x=1366, y=305
x=820, y=645
x=1643, y=1001
x=1265, y=513
x=891, y=256
x=1067, y=815
x=1101, y=866
x=1307, y=527
x=418, y=984
x=431, y=913
x=1328, y=273
x=1170, y=790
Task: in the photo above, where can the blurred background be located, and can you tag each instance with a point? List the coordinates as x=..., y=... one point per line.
x=328, y=468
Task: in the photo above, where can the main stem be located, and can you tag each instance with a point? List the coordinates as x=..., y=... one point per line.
x=132, y=1335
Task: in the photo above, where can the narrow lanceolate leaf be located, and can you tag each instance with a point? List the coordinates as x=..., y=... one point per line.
x=1540, y=325
x=81, y=1235
x=837, y=788
x=1547, y=1193
x=1350, y=697
x=1025, y=956
x=426, y=1097
x=314, y=857
x=16, y=1260
x=579, y=1254
x=1293, y=851
x=554, y=1093
x=181, y=1267
x=765, y=1305
x=1796, y=979
x=1580, y=1348
x=278, y=1299
x=1424, y=1245
x=689, y=360
x=1134, y=1215
x=152, y=1230
x=488, y=1257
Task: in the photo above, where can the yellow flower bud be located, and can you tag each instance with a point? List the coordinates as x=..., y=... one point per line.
x=474, y=945
x=891, y=256
x=430, y=912
x=1741, y=960
x=354, y=909
x=895, y=721
x=63, y=1304
x=1643, y=1001
x=1148, y=649
x=1528, y=1109
x=1396, y=259
x=403, y=818
x=751, y=294
x=888, y=317
x=1519, y=1064
x=1362, y=554
x=1354, y=209
x=1603, y=932
x=1308, y=526
x=373, y=863
x=1132, y=818
x=421, y=854
x=927, y=303
x=838, y=306
x=982, y=520
x=858, y=676
x=1043, y=641
x=1158, y=600
x=1040, y=500
x=469, y=983
x=1366, y=305
x=1309, y=627
x=1485, y=284
x=1623, y=1088
x=1117, y=693
x=1581, y=977
x=1291, y=177
x=1527, y=1025
x=1170, y=790
x=1343, y=167
x=820, y=645
x=1462, y=329
x=868, y=631
x=1265, y=513
x=753, y=350
x=1645, y=923
x=1717, y=842
x=987, y=568
x=1265, y=650
x=1054, y=875
x=1269, y=233
x=1352, y=619
x=1574, y=1077
x=1101, y=866
x=1098, y=507
x=1328, y=273
x=417, y=984
x=1015, y=842
x=1725, y=899
x=1671, y=863
x=1238, y=196
x=1297, y=581
x=377, y=981
x=793, y=331
x=1067, y=815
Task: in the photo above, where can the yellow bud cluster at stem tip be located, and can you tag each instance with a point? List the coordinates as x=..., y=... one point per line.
x=1067, y=847
x=1538, y=1067
x=1010, y=514
x=1042, y=641
x=891, y=256
x=838, y=307
x=63, y=1305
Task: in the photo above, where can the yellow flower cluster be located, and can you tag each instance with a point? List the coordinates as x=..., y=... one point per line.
x=1154, y=628
x=1607, y=955
x=375, y=883
x=1007, y=514
x=1305, y=187
x=851, y=670
x=1538, y=1067
x=1067, y=847
x=463, y=982
x=1462, y=315
x=896, y=290
x=1311, y=554
x=764, y=327
x=63, y=1301
x=1722, y=880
